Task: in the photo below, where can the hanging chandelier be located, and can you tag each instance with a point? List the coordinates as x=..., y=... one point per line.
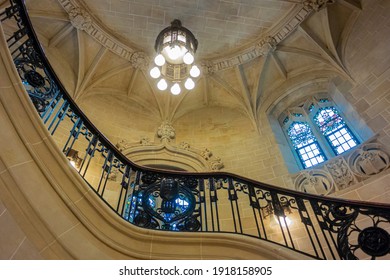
x=175, y=47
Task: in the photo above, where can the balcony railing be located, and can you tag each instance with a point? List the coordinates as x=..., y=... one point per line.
x=317, y=226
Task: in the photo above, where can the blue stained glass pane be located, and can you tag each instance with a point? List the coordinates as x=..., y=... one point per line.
x=333, y=127
x=300, y=133
x=305, y=144
x=328, y=120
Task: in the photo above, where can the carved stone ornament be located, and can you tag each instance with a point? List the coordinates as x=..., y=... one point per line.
x=369, y=159
x=166, y=131
x=123, y=145
x=216, y=164
x=314, y=181
x=184, y=146
x=80, y=19
x=144, y=141
x=207, y=67
x=265, y=46
x=206, y=154
x=317, y=5
x=341, y=173
x=139, y=60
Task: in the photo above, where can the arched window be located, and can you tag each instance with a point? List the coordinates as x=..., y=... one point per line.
x=316, y=131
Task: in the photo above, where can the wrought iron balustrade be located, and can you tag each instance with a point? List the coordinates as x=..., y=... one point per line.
x=321, y=227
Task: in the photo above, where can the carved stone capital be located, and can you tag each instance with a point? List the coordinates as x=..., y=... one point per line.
x=166, y=132
x=265, y=46
x=80, y=18
x=139, y=60
x=208, y=67
x=317, y=5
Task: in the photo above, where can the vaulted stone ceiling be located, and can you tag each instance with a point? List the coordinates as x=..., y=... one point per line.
x=247, y=49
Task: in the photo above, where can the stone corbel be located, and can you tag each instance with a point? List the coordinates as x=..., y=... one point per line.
x=317, y=5
x=80, y=18
x=166, y=132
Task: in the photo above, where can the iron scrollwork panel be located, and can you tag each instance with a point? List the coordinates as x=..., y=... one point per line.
x=361, y=233
x=39, y=85
x=168, y=203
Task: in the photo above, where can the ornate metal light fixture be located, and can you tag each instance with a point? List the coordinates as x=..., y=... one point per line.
x=175, y=47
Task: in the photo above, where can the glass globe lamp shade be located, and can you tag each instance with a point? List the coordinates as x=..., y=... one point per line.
x=195, y=71
x=162, y=85
x=188, y=58
x=189, y=84
x=175, y=89
x=159, y=60
x=155, y=72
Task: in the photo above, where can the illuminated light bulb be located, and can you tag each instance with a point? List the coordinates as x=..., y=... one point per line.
x=159, y=60
x=189, y=84
x=162, y=85
x=188, y=58
x=195, y=71
x=155, y=72
x=175, y=89
x=174, y=52
x=283, y=221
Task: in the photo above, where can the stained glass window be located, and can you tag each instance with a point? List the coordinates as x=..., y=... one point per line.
x=333, y=127
x=305, y=144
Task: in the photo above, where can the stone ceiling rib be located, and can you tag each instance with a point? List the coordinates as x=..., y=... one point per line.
x=279, y=65
x=62, y=16
x=324, y=51
x=90, y=72
x=57, y=38
x=120, y=68
x=132, y=82
x=244, y=88
x=353, y=4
